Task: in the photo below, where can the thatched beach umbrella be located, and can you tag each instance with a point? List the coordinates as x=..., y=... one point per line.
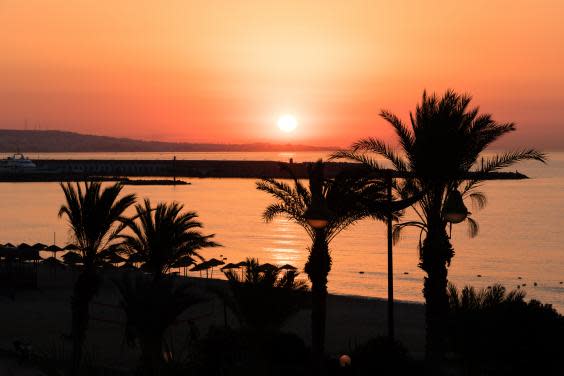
x=267, y=266
x=39, y=246
x=287, y=267
x=53, y=263
x=213, y=263
x=184, y=263
x=8, y=252
x=30, y=254
x=242, y=265
x=72, y=258
x=229, y=266
x=201, y=266
x=9, y=245
x=54, y=249
x=23, y=251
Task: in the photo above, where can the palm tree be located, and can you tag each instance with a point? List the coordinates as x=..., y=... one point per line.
x=163, y=236
x=264, y=297
x=348, y=200
x=438, y=151
x=151, y=307
x=93, y=214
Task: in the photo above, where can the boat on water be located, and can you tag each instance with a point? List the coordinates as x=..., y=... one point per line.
x=17, y=162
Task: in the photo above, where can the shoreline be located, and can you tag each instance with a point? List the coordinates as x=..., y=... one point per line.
x=41, y=317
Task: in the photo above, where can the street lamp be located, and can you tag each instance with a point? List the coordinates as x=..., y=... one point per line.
x=454, y=210
x=317, y=214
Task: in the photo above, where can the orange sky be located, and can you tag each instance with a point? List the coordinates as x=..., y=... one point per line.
x=222, y=71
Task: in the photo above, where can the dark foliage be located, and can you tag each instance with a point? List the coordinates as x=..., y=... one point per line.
x=264, y=298
x=151, y=307
x=229, y=352
x=378, y=356
x=499, y=333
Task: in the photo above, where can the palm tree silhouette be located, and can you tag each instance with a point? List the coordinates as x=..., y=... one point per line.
x=93, y=214
x=263, y=298
x=160, y=238
x=440, y=148
x=163, y=236
x=348, y=200
x=151, y=307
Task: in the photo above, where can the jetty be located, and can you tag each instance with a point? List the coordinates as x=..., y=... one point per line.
x=53, y=170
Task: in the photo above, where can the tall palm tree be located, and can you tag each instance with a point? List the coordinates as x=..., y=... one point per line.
x=163, y=236
x=348, y=200
x=93, y=214
x=440, y=147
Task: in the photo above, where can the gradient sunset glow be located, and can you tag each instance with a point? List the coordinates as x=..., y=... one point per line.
x=224, y=71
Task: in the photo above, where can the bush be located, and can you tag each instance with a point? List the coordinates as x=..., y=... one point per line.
x=499, y=333
x=378, y=356
x=236, y=352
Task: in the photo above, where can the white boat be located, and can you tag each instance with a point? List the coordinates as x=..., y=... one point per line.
x=17, y=162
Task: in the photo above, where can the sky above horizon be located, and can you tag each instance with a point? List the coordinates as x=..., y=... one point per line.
x=224, y=71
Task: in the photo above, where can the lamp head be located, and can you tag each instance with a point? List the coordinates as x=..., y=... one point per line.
x=454, y=210
x=317, y=214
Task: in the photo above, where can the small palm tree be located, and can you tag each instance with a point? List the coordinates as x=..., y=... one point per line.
x=163, y=236
x=151, y=307
x=347, y=201
x=160, y=238
x=264, y=298
x=93, y=214
x=440, y=148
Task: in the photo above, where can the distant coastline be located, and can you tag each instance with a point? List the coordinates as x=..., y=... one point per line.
x=36, y=141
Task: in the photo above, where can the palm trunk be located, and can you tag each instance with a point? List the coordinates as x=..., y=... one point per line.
x=436, y=254
x=85, y=288
x=317, y=269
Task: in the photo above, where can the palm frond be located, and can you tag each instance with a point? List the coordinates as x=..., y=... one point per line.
x=399, y=227
x=407, y=140
x=361, y=158
x=478, y=199
x=473, y=227
x=380, y=148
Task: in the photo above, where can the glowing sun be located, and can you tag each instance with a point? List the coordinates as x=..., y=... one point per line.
x=287, y=123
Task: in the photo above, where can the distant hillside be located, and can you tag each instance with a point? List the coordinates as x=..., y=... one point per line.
x=67, y=142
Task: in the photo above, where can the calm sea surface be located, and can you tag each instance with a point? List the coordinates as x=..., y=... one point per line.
x=521, y=229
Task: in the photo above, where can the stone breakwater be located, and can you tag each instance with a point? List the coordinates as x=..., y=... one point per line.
x=58, y=170
x=68, y=170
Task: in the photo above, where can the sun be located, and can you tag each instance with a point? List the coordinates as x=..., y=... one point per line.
x=287, y=123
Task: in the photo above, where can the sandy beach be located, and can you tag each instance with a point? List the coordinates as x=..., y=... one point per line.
x=42, y=318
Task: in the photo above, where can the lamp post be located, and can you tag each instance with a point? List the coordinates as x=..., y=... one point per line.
x=391, y=332
x=318, y=216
